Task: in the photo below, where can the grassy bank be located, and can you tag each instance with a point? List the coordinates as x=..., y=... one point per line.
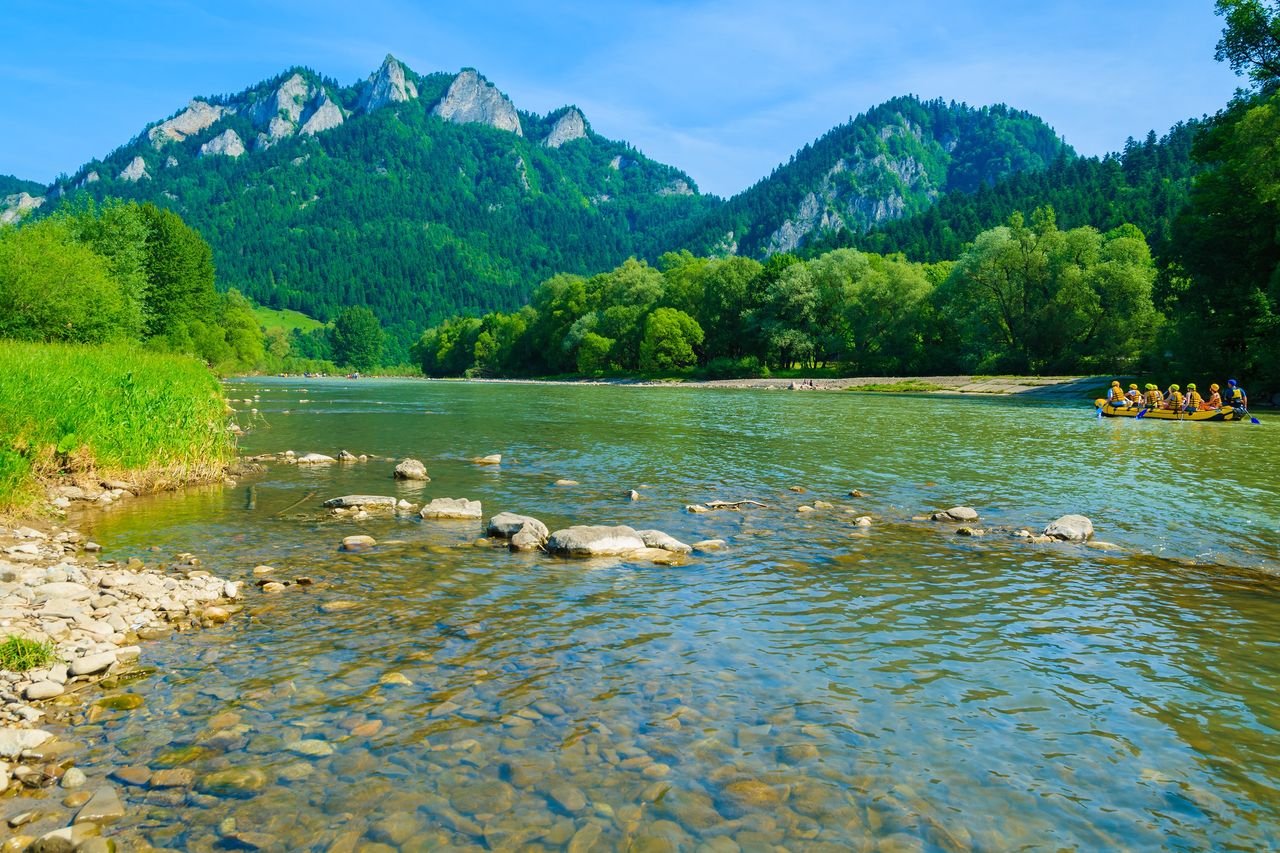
x=117, y=412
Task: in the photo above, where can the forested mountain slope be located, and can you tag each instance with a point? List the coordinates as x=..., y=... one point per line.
x=891, y=162
x=417, y=195
x=1146, y=184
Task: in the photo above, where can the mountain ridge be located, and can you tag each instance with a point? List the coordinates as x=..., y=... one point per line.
x=424, y=195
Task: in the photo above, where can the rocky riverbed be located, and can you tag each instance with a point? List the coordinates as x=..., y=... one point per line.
x=92, y=617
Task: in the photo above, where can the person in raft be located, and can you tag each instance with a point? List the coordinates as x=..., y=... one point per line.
x=1154, y=397
x=1135, y=397
x=1237, y=397
x=1215, y=398
x=1173, y=398
x=1193, y=402
x=1115, y=396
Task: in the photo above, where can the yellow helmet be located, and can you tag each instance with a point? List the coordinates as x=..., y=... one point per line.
x=1191, y=386
x=1213, y=387
x=1150, y=387
x=1174, y=388
x=1115, y=383
x=1133, y=386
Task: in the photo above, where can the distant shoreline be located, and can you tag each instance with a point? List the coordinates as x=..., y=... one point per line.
x=1065, y=387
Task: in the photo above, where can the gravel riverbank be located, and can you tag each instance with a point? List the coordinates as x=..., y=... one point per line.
x=93, y=615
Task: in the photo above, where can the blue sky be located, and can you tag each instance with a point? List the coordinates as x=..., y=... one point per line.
x=724, y=90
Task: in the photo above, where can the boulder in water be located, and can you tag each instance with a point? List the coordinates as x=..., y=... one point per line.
x=1071, y=528
x=585, y=540
x=505, y=525
x=411, y=469
x=459, y=508
x=658, y=539
x=957, y=513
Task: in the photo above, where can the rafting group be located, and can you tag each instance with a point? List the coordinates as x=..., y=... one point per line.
x=1174, y=404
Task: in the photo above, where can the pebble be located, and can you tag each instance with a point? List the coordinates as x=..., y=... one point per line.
x=91, y=664
x=357, y=543
x=338, y=606
x=73, y=778
x=173, y=777
x=135, y=776
x=103, y=807
x=43, y=690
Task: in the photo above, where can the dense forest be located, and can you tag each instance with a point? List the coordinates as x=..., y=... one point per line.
x=1025, y=297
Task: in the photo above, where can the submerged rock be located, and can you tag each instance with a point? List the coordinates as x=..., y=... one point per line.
x=358, y=543
x=1070, y=528
x=459, y=508
x=956, y=513
x=366, y=501
x=315, y=459
x=411, y=469
x=594, y=541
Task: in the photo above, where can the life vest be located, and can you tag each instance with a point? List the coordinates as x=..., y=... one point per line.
x=1135, y=396
x=1194, y=399
x=1154, y=399
x=1215, y=400
x=1115, y=395
x=1175, y=400
x=1237, y=395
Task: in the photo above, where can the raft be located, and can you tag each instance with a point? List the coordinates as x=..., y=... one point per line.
x=1226, y=413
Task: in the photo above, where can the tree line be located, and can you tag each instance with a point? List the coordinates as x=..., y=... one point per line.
x=124, y=271
x=1024, y=297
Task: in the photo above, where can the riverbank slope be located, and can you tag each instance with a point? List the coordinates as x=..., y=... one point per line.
x=117, y=414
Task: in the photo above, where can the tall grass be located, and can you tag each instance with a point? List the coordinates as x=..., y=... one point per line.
x=106, y=411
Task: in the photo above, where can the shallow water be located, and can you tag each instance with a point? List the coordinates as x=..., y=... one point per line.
x=814, y=686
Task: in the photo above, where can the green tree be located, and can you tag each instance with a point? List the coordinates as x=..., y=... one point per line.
x=55, y=288
x=357, y=338
x=1034, y=298
x=1250, y=41
x=1225, y=273
x=179, y=268
x=670, y=341
x=593, y=354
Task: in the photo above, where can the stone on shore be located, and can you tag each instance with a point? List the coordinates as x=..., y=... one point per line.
x=352, y=501
x=411, y=469
x=14, y=741
x=505, y=525
x=315, y=459
x=658, y=539
x=43, y=690
x=458, y=508
x=1071, y=528
x=956, y=513
x=91, y=664
x=585, y=540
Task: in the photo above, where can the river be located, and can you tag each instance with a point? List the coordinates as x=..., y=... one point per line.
x=813, y=686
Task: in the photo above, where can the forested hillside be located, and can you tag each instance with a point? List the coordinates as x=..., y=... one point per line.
x=417, y=195
x=893, y=161
x=1146, y=184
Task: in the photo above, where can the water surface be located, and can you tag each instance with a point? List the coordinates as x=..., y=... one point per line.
x=813, y=686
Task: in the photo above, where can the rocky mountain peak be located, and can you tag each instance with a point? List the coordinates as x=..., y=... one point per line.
x=198, y=116
x=135, y=171
x=570, y=126
x=387, y=85
x=282, y=113
x=473, y=100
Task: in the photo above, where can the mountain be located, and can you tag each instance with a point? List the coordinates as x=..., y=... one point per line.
x=428, y=195
x=891, y=162
x=419, y=195
x=1146, y=184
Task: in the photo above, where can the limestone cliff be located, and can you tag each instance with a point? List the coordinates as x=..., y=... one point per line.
x=18, y=205
x=198, y=116
x=473, y=100
x=387, y=85
x=135, y=171
x=570, y=126
x=228, y=144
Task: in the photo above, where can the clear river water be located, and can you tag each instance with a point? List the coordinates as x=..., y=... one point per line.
x=815, y=685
